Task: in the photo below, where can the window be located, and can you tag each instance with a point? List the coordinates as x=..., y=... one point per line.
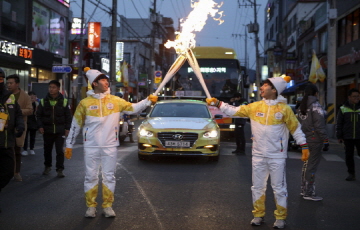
x=348, y=28
x=355, y=25
x=13, y=19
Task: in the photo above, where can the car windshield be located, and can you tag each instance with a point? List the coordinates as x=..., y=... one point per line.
x=180, y=110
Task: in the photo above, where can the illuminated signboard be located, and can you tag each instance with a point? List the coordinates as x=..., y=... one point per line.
x=119, y=51
x=76, y=26
x=105, y=64
x=209, y=70
x=94, y=36
x=65, y=2
x=16, y=49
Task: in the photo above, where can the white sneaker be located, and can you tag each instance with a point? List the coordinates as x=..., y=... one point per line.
x=279, y=224
x=32, y=152
x=24, y=153
x=90, y=212
x=313, y=198
x=109, y=212
x=257, y=221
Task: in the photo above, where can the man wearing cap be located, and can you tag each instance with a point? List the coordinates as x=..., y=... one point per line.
x=98, y=116
x=271, y=120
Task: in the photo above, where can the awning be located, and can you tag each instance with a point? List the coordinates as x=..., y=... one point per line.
x=293, y=88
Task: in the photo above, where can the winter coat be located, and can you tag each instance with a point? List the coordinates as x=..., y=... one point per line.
x=240, y=121
x=313, y=122
x=53, y=114
x=98, y=116
x=348, y=122
x=24, y=102
x=31, y=119
x=15, y=119
x=271, y=121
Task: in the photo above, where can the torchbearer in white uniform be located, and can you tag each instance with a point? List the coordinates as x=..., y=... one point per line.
x=271, y=121
x=98, y=116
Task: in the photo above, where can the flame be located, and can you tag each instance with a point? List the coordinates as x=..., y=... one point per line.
x=195, y=23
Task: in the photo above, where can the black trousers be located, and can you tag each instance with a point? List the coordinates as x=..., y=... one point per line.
x=349, y=153
x=30, y=134
x=7, y=166
x=49, y=140
x=240, y=137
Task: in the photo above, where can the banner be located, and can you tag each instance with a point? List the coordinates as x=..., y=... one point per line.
x=94, y=36
x=57, y=34
x=40, y=27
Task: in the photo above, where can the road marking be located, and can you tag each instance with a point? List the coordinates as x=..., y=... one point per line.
x=332, y=157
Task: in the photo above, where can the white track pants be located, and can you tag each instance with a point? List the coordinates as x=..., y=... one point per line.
x=261, y=169
x=94, y=157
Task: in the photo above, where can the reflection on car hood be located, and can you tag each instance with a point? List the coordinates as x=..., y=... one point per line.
x=179, y=123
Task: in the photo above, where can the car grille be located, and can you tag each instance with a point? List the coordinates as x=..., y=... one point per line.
x=169, y=136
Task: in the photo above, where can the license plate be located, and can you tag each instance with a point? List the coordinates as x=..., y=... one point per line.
x=177, y=144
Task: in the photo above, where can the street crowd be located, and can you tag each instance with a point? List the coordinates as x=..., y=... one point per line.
x=97, y=116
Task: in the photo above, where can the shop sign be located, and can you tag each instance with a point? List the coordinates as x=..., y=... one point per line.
x=94, y=36
x=15, y=49
x=349, y=58
x=105, y=64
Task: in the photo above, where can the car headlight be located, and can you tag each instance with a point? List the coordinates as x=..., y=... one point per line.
x=209, y=134
x=146, y=133
x=232, y=126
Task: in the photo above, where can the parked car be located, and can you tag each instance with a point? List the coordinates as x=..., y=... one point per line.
x=179, y=128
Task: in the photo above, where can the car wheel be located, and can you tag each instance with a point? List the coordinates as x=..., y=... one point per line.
x=214, y=158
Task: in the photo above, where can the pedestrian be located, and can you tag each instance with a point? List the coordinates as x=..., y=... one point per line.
x=54, y=119
x=31, y=127
x=271, y=120
x=24, y=101
x=11, y=126
x=98, y=116
x=348, y=130
x=239, y=126
x=127, y=125
x=312, y=118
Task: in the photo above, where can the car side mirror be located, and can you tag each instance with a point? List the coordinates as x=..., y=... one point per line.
x=143, y=114
x=218, y=116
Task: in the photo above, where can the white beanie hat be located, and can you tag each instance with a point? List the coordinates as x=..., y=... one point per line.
x=92, y=74
x=280, y=83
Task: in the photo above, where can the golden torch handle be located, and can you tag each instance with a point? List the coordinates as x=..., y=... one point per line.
x=195, y=66
x=173, y=69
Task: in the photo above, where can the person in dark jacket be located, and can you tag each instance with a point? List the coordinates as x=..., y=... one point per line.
x=31, y=127
x=312, y=118
x=54, y=120
x=11, y=126
x=348, y=129
x=239, y=126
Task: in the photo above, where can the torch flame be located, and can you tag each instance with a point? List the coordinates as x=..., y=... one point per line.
x=185, y=41
x=195, y=22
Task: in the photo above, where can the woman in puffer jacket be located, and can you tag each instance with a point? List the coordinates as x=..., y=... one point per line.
x=312, y=118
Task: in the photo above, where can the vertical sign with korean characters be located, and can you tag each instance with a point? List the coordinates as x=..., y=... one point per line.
x=94, y=36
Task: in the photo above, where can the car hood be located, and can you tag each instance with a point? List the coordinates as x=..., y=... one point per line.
x=179, y=123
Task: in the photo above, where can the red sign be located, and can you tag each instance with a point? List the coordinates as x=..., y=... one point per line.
x=94, y=36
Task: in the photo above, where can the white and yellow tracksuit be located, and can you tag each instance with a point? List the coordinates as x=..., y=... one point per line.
x=98, y=116
x=271, y=121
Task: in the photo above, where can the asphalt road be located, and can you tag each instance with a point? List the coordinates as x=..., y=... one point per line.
x=177, y=194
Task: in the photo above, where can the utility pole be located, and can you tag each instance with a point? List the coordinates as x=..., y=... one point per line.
x=80, y=70
x=331, y=67
x=113, y=46
x=254, y=28
x=256, y=31
x=153, y=19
